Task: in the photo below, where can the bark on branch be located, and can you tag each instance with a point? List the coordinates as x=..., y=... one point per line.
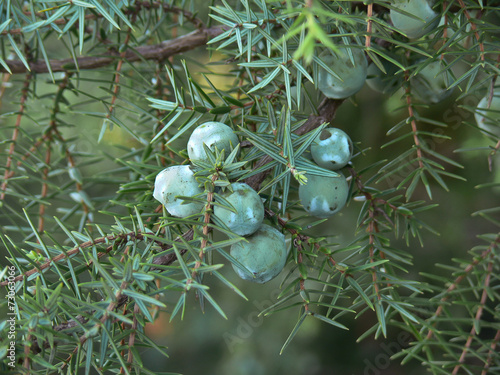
x=158, y=52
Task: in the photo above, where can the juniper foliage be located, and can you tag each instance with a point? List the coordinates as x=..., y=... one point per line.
x=89, y=257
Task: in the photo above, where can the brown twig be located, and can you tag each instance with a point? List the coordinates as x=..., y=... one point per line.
x=52, y=129
x=27, y=364
x=47, y=138
x=45, y=187
x=157, y=52
x=30, y=152
x=445, y=26
x=374, y=211
x=35, y=347
x=165, y=260
x=477, y=318
x=160, y=114
x=473, y=28
x=205, y=231
x=131, y=339
x=491, y=353
x=298, y=240
x=116, y=86
x=302, y=238
x=413, y=122
x=369, y=26
x=448, y=293
x=15, y=135
x=372, y=226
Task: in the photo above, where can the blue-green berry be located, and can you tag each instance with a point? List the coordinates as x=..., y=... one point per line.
x=430, y=85
x=488, y=118
x=351, y=77
x=385, y=83
x=426, y=19
x=324, y=196
x=249, y=209
x=264, y=255
x=174, y=181
x=332, y=149
x=213, y=134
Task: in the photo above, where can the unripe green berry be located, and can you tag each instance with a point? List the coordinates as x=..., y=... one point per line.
x=249, y=209
x=430, y=85
x=489, y=118
x=412, y=27
x=385, y=83
x=352, y=77
x=213, y=134
x=332, y=149
x=264, y=255
x=177, y=180
x=324, y=196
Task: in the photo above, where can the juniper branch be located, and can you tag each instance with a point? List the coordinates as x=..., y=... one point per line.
x=160, y=260
x=491, y=353
x=477, y=318
x=158, y=52
x=138, y=6
x=131, y=339
x=447, y=294
x=473, y=28
x=15, y=134
x=116, y=86
x=206, y=222
x=52, y=129
x=326, y=113
x=413, y=122
x=111, y=307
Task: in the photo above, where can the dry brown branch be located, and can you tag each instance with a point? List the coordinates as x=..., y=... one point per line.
x=158, y=52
